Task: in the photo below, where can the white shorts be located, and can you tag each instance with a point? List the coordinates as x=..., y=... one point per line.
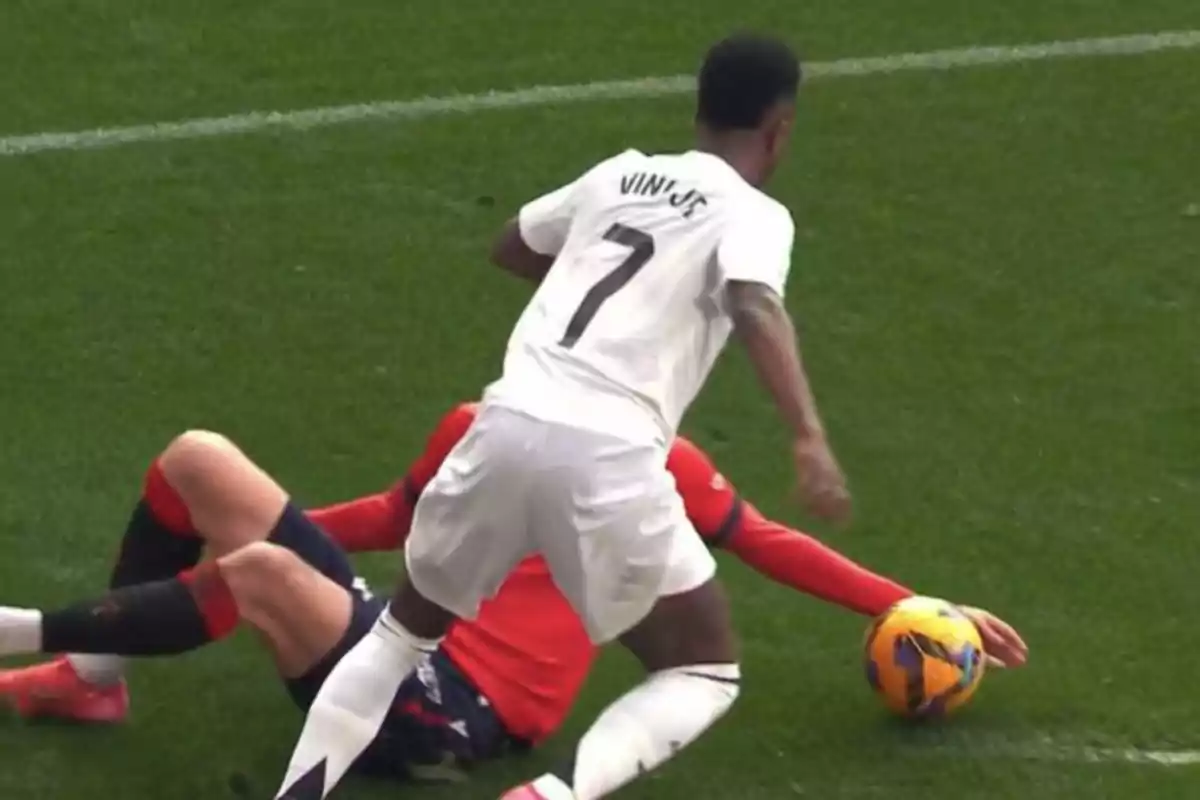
x=602, y=511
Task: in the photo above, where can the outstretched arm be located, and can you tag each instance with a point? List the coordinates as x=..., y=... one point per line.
x=369, y=524
x=724, y=520
x=805, y=564
x=800, y=561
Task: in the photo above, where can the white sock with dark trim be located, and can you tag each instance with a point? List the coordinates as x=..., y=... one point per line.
x=643, y=729
x=98, y=670
x=20, y=631
x=351, y=707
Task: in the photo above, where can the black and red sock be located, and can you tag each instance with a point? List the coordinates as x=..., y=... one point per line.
x=160, y=540
x=164, y=617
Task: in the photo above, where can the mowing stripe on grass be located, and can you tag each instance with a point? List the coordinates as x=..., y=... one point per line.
x=258, y=121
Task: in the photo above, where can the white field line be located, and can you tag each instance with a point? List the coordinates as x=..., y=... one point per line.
x=1165, y=758
x=1072, y=754
x=256, y=121
x=1058, y=750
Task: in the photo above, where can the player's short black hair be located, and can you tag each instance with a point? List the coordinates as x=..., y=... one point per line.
x=743, y=77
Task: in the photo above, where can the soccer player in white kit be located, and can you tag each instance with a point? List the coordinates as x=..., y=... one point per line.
x=645, y=265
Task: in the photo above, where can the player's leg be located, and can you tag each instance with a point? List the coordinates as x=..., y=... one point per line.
x=688, y=649
x=201, y=490
x=638, y=571
x=440, y=727
x=300, y=612
x=159, y=541
x=468, y=532
x=202, y=493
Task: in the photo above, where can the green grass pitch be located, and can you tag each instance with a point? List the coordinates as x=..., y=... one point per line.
x=996, y=272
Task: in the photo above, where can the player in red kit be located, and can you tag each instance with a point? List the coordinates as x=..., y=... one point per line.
x=506, y=680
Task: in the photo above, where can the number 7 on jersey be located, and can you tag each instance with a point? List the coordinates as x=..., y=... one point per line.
x=641, y=250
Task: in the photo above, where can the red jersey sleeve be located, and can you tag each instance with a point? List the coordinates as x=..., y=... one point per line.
x=711, y=502
x=450, y=429
x=800, y=561
x=369, y=524
x=792, y=558
x=381, y=521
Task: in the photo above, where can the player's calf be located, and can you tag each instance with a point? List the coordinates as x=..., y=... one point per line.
x=164, y=617
x=692, y=627
x=417, y=614
x=178, y=513
x=347, y=713
x=156, y=618
x=159, y=542
x=263, y=584
x=160, y=539
x=688, y=647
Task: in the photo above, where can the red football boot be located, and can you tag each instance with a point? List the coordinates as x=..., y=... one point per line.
x=526, y=792
x=547, y=787
x=55, y=690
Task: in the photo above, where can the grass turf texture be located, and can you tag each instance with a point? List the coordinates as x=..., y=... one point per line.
x=994, y=269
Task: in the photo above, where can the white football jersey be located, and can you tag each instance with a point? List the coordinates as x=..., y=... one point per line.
x=630, y=319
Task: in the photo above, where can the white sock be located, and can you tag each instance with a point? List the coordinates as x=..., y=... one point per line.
x=20, y=631
x=98, y=670
x=645, y=728
x=350, y=708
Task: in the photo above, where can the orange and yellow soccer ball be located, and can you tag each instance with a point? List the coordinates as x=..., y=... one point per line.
x=924, y=657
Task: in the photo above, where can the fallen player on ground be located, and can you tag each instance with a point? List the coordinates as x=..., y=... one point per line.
x=505, y=681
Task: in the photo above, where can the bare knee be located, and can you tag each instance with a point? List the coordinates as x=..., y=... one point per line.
x=193, y=457
x=301, y=614
x=231, y=500
x=695, y=627
x=264, y=578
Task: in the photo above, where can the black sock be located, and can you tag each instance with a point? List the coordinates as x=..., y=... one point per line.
x=165, y=617
x=152, y=552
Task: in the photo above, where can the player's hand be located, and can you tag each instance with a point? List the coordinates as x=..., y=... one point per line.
x=1001, y=642
x=820, y=482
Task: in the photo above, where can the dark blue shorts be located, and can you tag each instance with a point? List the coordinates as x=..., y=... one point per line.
x=439, y=724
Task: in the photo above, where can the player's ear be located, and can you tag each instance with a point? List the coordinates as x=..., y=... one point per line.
x=779, y=130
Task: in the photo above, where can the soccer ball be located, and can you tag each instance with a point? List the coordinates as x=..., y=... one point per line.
x=924, y=657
